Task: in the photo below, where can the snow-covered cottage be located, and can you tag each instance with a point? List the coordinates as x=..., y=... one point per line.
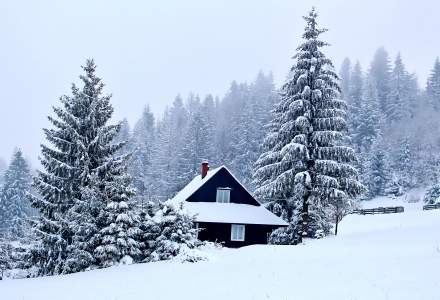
x=225, y=211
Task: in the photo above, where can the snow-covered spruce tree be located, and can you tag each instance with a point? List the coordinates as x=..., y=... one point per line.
x=164, y=161
x=140, y=167
x=369, y=120
x=150, y=230
x=230, y=110
x=119, y=240
x=355, y=101
x=404, y=164
x=398, y=100
x=264, y=96
x=432, y=195
x=378, y=170
x=5, y=256
x=209, y=118
x=3, y=167
x=171, y=132
x=380, y=75
x=305, y=166
x=249, y=131
x=196, y=146
x=176, y=233
x=79, y=165
x=124, y=136
x=345, y=75
x=433, y=85
x=14, y=204
x=246, y=149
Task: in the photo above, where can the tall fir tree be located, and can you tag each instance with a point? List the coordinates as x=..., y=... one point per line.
x=209, y=119
x=197, y=145
x=370, y=119
x=230, y=112
x=245, y=144
x=141, y=162
x=345, y=75
x=167, y=164
x=79, y=166
x=305, y=165
x=378, y=171
x=124, y=137
x=249, y=132
x=14, y=204
x=380, y=74
x=398, y=100
x=179, y=116
x=355, y=101
x=164, y=162
x=3, y=167
x=404, y=163
x=433, y=85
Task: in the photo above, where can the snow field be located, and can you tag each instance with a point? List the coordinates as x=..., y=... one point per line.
x=395, y=256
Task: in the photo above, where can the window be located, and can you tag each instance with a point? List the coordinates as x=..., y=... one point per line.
x=237, y=233
x=223, y=195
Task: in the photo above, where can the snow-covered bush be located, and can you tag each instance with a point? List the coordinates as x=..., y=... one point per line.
x=432, y=196
x=285, y=236
x=15, y=259
x=176, y=233
x=320, y=226
x=5, y=258
x=320, y=222
x=187, y=254
x=394, y=187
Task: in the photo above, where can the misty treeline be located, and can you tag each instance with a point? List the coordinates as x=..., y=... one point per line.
x=166, y=153
x=394, y=123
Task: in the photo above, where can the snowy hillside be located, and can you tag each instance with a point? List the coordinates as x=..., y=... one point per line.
x=376, y=257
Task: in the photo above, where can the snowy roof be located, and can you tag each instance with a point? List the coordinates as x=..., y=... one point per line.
x=194, y=185
x=223, y=212
x=232, y=213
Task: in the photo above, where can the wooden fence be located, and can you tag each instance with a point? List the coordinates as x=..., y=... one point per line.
x=380, y=210
x=431, y=206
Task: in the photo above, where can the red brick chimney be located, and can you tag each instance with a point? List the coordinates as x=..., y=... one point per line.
x=205, y=168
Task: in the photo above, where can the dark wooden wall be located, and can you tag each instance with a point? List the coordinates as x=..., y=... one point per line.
x=207, y=193
x=221, y=233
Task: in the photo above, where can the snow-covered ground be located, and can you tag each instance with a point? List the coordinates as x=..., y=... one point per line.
x=394, y=256
x=413, y=200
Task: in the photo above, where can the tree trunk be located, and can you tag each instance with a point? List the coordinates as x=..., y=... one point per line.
x=337, y=218
x=305, y=217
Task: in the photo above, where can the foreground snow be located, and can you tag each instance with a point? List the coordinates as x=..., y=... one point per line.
x=375, y=257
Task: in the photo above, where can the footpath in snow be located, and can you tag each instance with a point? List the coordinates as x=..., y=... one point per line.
x=375, y=257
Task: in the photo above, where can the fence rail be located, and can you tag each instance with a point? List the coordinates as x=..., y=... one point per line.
x=431, y=206
x=380, y=210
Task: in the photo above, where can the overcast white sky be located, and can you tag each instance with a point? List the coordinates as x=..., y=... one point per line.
x=147, y=52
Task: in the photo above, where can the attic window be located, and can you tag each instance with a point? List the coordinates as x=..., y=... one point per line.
x=237, y=233
x=223, y=195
